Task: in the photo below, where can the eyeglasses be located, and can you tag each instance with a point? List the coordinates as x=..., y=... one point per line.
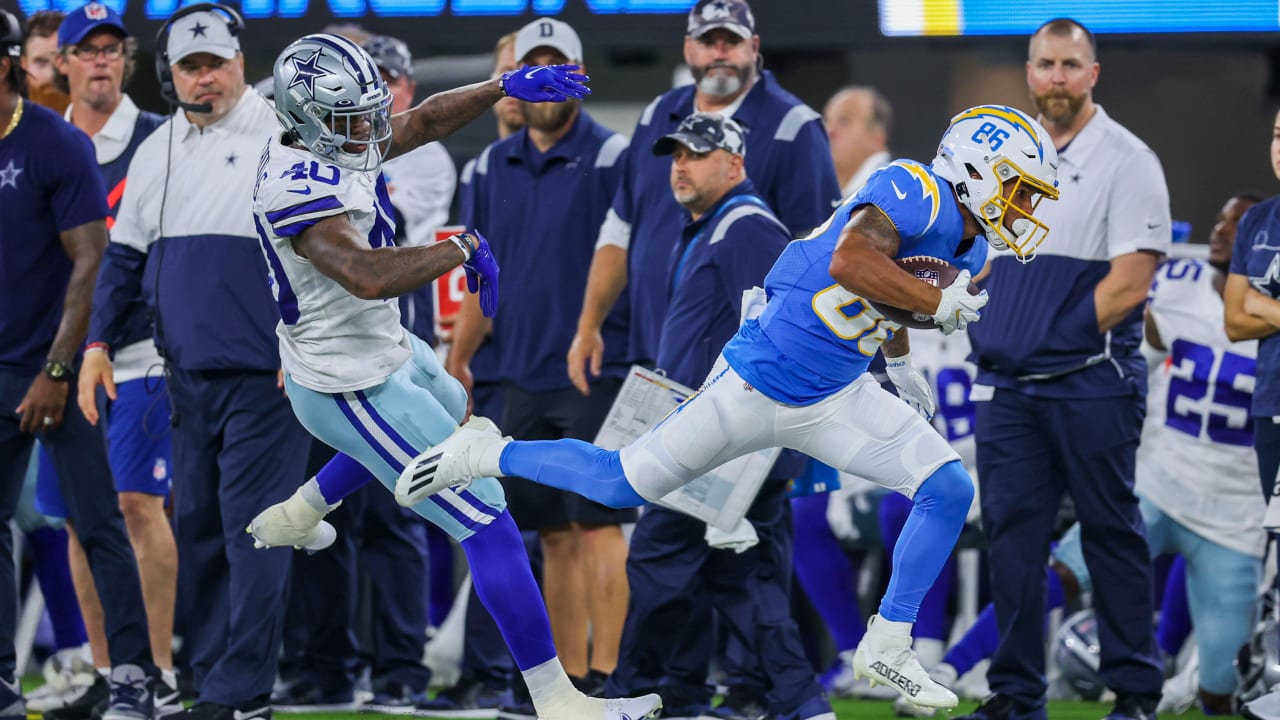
x=89, y=53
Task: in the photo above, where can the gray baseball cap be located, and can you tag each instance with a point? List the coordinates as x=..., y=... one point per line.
x=702, y=133
x=732, y=15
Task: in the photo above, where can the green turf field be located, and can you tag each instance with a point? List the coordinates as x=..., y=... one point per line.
x=852, y=710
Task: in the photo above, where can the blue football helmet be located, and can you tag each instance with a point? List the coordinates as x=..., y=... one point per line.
x=985, y=147
x=328, y=91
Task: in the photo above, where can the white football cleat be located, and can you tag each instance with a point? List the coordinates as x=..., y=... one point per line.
x=583, y=707
x=452, y=463
x=885, y=657
x=297, y=522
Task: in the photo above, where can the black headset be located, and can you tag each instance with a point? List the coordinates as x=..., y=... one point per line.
x=164, y=69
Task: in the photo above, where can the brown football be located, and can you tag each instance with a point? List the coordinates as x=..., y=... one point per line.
x=936, y=272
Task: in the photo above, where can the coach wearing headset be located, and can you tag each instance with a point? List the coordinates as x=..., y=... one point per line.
x=185, y=242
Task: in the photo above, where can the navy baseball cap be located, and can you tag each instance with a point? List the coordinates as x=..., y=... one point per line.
x=390, y=55
x=702, y=133
x=732, y=15
x=87, y=18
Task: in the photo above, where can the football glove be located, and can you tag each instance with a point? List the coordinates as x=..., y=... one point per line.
x=911, y=385
x=958, y=308
x=546, y=83
x=482, y=274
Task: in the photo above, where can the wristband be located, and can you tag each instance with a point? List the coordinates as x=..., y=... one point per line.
x=96, y=347
x=502, y=83
x=467, y=250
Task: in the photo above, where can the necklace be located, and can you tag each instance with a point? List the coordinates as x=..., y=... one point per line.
x=13, y=122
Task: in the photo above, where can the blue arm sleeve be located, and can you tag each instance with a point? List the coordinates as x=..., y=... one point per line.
x=118, y=294
x=805, y=190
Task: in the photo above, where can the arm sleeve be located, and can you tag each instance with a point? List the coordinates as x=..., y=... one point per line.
x=119, y=289
x=804, y=191
x=79, y=195
x=1138, y=216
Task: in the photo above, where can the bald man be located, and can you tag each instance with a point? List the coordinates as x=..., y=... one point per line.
x=858, y=120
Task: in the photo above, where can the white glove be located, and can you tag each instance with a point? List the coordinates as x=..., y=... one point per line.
x=911, y=385
x=840, y=514
x=753, y=304
x=958, y=308
x=741, y=539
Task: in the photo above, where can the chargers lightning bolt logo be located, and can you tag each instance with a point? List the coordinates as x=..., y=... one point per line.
x=928, y=187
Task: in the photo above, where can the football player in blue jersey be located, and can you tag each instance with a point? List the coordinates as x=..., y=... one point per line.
x=795, y=376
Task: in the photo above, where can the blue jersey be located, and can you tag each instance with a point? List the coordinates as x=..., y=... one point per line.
x=1257, y=257
x=49, y=183
x=815, y=337
x=788, y=159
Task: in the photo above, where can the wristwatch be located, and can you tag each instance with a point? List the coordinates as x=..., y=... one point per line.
x=58, y=371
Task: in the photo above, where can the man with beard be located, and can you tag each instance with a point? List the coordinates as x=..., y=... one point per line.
x=560, y=153
x=1061, y=390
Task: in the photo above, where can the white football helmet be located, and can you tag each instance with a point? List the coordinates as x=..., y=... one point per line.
x=987, y=146
x=328, y=92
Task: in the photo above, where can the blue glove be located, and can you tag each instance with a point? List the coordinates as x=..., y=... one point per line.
x=546, y=83
x=482, y=274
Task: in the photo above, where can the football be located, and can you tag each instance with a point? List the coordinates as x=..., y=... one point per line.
x=936, y=272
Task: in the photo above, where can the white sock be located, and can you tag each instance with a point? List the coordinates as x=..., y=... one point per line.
x=310, y=492
x=104, y=672
x=897, y=632
x=929, y=652
x=489, y=463
x=549, y=686
x=170, y=677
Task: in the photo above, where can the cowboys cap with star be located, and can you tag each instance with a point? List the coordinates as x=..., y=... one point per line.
x=732, y=15
x=702, y=133
x=202, y=32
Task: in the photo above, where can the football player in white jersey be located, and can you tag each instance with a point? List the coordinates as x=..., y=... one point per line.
x=356, y=379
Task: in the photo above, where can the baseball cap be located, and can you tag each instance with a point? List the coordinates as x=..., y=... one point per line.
x=85, y=19
x=390, y=55
x=201, y=32
x=548, y=32
x=703, y=132
x=732, y=15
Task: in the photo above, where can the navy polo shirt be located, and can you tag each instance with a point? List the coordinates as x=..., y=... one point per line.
x=541, y=213
x=1257, y=257
x=49, y=183
x=484, y=364
x=788, y=158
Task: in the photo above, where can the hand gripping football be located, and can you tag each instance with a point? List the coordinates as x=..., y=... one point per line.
x=936, y=272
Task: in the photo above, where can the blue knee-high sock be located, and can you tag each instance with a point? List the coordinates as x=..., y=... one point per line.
x=927, y=538
x=1175, y=614
x=572, y=465
x=826, y=572
x=980, y=641
x=439, y=575
x=504, y=582
x=340, y=477
x=53, y=571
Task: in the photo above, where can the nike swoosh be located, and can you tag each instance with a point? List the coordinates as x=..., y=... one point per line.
x=304, y=191
x=531, y=73
x=901, y=195
x=1151, y=226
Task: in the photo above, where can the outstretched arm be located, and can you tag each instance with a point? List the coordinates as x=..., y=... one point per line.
x=333, y=247
x=440, y=115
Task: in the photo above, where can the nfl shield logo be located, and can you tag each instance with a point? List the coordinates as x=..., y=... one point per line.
x=160, y=470
x=94, y=11
x=929, y=276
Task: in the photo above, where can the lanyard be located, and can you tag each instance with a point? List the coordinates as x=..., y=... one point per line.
x=732, y=202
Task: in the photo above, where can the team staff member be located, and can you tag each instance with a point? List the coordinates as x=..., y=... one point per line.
x=183, y=235
x=39, y=54
x=52, y=232
x=94, y=63
x=1061, y=389
x=788, y=159
x=561, y=152
x=728, y=244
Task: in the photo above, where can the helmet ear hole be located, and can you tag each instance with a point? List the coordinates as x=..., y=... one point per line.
x=972, y=171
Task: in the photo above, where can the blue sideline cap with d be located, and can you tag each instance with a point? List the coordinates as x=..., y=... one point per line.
x=732, y=15
x=702, y=133
x=85, y=19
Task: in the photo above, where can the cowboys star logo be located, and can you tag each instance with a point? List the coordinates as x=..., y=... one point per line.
x=307, y=72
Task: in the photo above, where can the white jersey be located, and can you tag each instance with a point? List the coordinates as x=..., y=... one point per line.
x=1196, y=461
x=942, y=359
x=330, y=340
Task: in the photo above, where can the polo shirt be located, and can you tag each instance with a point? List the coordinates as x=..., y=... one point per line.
x=49, y=184
x=540, y=213
x=1257, y=256
x=185, y=236
x=788, y=158
x=1039, y=332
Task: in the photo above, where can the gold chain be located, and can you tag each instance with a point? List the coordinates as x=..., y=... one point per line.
x=13, y=122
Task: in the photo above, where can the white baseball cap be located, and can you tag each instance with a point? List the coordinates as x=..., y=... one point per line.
x=548, y=32
x=201, y=32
